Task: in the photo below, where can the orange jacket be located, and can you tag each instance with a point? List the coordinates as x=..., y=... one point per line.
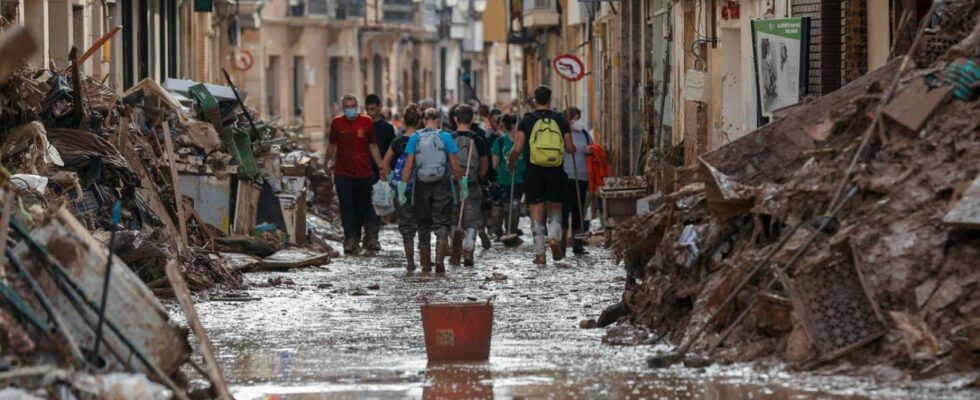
x=598, y=167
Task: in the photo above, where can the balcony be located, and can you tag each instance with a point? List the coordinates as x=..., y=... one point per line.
x=349, y=9
x=541, y=13
x=399, y=11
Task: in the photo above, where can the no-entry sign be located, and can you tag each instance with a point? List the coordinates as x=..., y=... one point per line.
x=569, y=67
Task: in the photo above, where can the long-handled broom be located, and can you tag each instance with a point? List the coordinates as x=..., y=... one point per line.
x=457, y=242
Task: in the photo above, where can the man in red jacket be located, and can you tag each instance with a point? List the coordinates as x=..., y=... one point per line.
x=350, y=151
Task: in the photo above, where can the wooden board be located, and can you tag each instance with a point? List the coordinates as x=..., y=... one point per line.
x=183, y=295
x=246, y=208
x=148, y=190
x=175, y=183
x=966, y=212
x=912, y=107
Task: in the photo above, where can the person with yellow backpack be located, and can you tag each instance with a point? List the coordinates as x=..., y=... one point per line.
x=543, y=137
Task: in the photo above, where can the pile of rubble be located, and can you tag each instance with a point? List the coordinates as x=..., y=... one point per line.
x=846, y=232
x=153, y=193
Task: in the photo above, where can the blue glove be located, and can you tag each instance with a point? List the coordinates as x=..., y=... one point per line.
x=464, y=187
x=402, y=187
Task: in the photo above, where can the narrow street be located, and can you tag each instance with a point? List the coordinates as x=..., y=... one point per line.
x=352, y=329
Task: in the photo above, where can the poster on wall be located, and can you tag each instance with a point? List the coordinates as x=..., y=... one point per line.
x=781, y=62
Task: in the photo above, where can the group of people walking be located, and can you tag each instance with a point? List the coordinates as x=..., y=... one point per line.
x=461, y=182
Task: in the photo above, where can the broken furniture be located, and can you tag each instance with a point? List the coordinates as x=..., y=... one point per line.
x=619, y=198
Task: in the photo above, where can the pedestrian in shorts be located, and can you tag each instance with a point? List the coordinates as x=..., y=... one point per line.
x=543, y=136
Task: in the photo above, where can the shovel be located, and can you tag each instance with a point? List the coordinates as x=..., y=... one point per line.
x=580, y=235
x=457, y=240
x=511, y=239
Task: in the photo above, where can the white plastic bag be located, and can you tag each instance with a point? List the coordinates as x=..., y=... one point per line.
x=383, y=198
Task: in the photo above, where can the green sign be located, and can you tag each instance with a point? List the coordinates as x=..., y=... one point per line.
x=203, y=5
x=789, y=28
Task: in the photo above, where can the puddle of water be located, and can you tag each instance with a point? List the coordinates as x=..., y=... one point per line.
x=333, y=334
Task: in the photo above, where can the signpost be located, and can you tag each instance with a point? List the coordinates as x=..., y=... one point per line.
x=569, y=66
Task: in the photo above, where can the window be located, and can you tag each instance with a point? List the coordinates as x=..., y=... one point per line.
x=272, y=87
x=335, y=63
x=297, y=8
x=416, y=85
x=378, y=74
x=299, y=84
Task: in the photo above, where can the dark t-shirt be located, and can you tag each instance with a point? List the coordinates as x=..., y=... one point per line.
x=352, y=139
x=481, y=150
x=398, y=147
x=530, y=118
x=385, y=133
x=481, y=143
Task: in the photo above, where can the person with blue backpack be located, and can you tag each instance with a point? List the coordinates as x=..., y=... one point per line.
x=430, y=158
x=392, y=168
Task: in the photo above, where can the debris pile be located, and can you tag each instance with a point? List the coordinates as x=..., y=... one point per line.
x=848, y=229
x=153, y=193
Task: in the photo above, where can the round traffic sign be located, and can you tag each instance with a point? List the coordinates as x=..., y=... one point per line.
x=569, y=67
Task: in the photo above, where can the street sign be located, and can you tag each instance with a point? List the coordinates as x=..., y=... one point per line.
x=569, y=67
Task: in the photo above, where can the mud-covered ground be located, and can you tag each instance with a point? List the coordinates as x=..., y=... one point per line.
x=352, y=329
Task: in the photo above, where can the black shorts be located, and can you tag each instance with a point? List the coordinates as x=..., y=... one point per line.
x=544, y=184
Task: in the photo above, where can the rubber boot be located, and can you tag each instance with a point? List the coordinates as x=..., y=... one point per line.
x=409, y=253
x=371, y=232
x=425, y=256
x=350, y=247
x=468, y=258
x=485, y=239
x=469, y=240
x=554, y=231
x=455, y=250
x=442, y=247
x=578, y=247
x=537, y=230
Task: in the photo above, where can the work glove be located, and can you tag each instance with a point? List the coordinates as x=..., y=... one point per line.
x=390, y=176
x=401, y=188
x=464, y=187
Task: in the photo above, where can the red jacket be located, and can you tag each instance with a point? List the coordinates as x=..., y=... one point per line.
x=598, y=166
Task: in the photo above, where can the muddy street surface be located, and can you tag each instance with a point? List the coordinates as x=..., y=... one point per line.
x=352, y=329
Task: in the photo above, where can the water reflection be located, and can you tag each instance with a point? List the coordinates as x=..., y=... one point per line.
x=458, y=381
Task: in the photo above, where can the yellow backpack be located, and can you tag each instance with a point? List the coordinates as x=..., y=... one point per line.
x=547, y=143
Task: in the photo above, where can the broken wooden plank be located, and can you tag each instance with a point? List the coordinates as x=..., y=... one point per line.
x=914, y=105
x=246, y=208
x=175, y=183
x=132, y=306
x=966, y=212
x=147, y=190
x=183, y=295
x=292, y=258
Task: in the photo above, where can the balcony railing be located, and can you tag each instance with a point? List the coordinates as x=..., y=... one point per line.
x=399, y=11
x=349, y=9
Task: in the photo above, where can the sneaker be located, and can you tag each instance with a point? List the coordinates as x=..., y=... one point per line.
x=540, y=261
x=557, y=253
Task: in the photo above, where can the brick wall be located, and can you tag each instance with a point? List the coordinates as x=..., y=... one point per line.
x=825, y=43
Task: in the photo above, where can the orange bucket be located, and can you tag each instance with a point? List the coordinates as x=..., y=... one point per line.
x=457, y=331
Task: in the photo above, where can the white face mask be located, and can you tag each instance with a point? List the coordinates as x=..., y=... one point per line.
x=578, y=125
